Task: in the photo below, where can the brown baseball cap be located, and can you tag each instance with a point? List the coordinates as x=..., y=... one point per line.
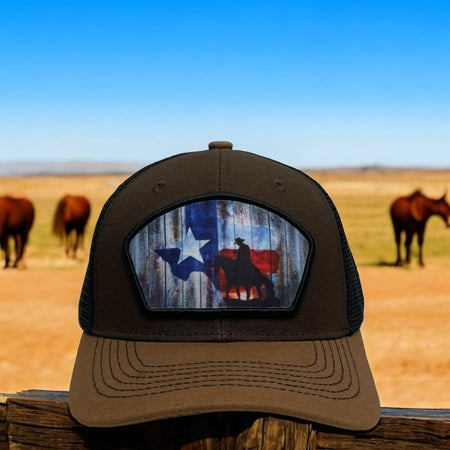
x=220, y=280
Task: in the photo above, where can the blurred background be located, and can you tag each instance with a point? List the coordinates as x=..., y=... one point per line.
x=354, y=93
x=311, y=83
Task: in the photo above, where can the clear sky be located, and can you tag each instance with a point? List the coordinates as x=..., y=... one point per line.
x=312, y=83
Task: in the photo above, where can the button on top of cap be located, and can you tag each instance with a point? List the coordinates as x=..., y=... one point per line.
x=220, y=144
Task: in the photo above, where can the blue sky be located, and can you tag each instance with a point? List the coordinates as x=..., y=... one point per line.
x=314, y=83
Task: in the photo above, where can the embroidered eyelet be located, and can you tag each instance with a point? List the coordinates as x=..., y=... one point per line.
x=159, y=186
x=279, y=185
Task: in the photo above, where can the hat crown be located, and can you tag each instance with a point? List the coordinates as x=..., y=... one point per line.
x=330, y=305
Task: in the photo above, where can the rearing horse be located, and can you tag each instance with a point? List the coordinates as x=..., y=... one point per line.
x=410, y=214
x=71, y=215
x=16, y=220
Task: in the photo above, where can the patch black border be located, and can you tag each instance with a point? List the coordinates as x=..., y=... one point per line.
x=221, y=312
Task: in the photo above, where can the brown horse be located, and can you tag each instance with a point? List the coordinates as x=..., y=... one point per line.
x=410, y=214
x=236, y=277
x=16, y=220
x=71, y=215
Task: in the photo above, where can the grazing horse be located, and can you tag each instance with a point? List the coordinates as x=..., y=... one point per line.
x=16, y=220
x=71, y=215
x=236, y=277
x=410, y=214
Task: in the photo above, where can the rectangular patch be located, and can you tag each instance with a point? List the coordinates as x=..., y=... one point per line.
x=219, y=254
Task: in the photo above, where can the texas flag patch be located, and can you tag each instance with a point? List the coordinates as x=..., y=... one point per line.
x=219, y=254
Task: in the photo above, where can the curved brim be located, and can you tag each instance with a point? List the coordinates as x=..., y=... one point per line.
x=117, y=382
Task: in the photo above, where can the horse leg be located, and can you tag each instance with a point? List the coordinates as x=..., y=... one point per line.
x=67, y=238
x=70, y=244
x=4, y=245
x=65, y=243
x=23, y=243
x=420, y=235
x=260, y=292
x=18, y=241
x=398, y=262
x=75, y=245
x=408, y=240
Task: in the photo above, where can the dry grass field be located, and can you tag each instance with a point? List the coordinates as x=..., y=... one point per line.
x=407, y=317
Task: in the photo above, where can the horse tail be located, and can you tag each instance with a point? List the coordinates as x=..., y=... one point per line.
x=87, y=213
x=58, y=220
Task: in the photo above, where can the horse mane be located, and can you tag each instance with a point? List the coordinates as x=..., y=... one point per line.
x=416, y=193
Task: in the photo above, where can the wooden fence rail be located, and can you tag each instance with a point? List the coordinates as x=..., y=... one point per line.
x=41, y=419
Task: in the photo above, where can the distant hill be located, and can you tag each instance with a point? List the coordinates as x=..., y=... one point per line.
x=66, y=167
x=25, y=168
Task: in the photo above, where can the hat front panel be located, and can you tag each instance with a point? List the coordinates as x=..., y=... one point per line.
x=120, y=311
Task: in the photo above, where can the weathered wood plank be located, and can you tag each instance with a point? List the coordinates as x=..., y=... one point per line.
x=25, y=436
x=2, y=411
x=40, y=413
x=3, y=427
x=41, y=419
x=286, y=434
x=424, y=413
x=3, y=431
x=186, y=433
x=37, y=422
x=393, y=432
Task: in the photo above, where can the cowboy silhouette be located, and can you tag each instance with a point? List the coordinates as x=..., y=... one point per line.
x=242, y=272
x=243, y=253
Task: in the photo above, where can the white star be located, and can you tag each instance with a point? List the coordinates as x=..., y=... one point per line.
x=191, y=247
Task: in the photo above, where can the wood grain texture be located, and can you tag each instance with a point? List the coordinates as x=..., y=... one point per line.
x=3, y=427
x=41, y=419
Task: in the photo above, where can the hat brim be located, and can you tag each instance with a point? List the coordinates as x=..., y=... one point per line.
x=117, y=382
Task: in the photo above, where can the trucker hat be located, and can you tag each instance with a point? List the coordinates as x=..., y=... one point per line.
x=220, y=280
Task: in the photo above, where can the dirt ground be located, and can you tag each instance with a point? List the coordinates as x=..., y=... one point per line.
x=406, y=331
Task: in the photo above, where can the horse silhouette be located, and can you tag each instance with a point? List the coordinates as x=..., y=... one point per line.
x=16, y=220
x=69, y=221
x=236, y=276
x=409, y=214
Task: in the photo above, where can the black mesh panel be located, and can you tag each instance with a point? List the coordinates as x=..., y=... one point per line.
x=355, y=298
x=86, y=306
